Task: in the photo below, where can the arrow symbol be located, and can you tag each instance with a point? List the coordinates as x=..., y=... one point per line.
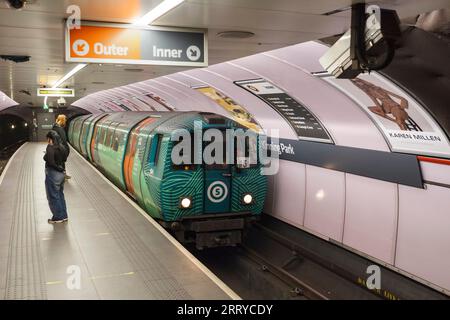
x=193, y=53
x=81, y=47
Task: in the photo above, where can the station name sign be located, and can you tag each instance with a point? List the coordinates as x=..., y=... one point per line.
x=127, y=44
x=55, y=92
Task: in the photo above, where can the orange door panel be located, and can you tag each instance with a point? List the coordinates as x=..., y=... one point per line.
x=131, y=153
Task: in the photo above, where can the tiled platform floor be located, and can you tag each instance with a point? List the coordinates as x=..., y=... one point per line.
x=109, y=246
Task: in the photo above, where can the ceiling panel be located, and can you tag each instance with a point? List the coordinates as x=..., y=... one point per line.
x=38, y=31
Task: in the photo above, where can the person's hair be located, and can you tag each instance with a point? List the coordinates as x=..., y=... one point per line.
x=61, y=120
x=53, y=135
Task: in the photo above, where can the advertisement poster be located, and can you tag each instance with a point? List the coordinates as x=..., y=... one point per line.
x=302, y=121
x=238, y=113
x=160, y=101
x=406, y=125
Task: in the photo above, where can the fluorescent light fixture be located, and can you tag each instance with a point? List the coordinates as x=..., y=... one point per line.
x=160, y=10
x=69, y=75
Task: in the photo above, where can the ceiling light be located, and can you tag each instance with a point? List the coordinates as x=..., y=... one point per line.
x=69, y=75
x=157, y=12
x=236, y=34
x=133, y=70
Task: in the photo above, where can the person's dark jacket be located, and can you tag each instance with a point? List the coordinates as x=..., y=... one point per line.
x=54, y=157
x=63, y=136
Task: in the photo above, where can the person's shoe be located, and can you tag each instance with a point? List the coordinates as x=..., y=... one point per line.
x=51, y=221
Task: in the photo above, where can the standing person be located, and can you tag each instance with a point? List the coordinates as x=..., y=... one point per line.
x=54, y=178
x=59, y=127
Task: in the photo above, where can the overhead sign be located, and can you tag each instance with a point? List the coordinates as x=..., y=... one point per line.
x=126, y=44
x=303, y=122
x=405, y=124
x=55, y=92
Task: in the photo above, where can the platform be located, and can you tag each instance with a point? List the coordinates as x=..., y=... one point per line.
x=109, y=243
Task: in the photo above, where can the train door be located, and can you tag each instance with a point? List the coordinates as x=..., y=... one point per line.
x=92, y=132
x=95, y=141
x=130, y=155
x=83, y=135
x=217, y=190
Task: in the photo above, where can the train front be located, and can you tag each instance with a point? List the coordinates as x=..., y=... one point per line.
x=213, y=186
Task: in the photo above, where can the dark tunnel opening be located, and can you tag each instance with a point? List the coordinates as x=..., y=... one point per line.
x=13, y=129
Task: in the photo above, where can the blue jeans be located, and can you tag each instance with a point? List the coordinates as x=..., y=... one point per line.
x=54, y=187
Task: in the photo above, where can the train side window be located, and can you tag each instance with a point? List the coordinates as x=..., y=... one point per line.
x=85, y=129
x=78, y=126
x=117, y=136
x=98, y=129
x=101, y=139
x=115, y=142
x=110, y=134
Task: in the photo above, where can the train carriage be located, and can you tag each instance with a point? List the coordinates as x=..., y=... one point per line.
x=209, y=204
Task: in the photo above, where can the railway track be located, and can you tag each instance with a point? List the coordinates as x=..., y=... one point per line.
x=7, y=152
x=309, y=275
x=278, y=261
x=269, y=266
x=299, y=287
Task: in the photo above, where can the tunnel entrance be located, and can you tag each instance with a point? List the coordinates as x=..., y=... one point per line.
x=13, y=129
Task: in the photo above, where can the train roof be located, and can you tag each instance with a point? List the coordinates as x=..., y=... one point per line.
x=169, y=121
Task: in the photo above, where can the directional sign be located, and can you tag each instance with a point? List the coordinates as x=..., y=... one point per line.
x=55, y=92
x=126, y=44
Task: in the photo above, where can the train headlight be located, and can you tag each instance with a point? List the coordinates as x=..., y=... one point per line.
x=186, y=203
x=247, y=199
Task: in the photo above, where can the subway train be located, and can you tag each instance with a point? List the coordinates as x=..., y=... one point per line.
x=206, y=204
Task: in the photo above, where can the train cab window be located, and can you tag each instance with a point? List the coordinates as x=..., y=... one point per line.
x=219, y=165
x=155, y=148
x=246, y=155
x=185, y=165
